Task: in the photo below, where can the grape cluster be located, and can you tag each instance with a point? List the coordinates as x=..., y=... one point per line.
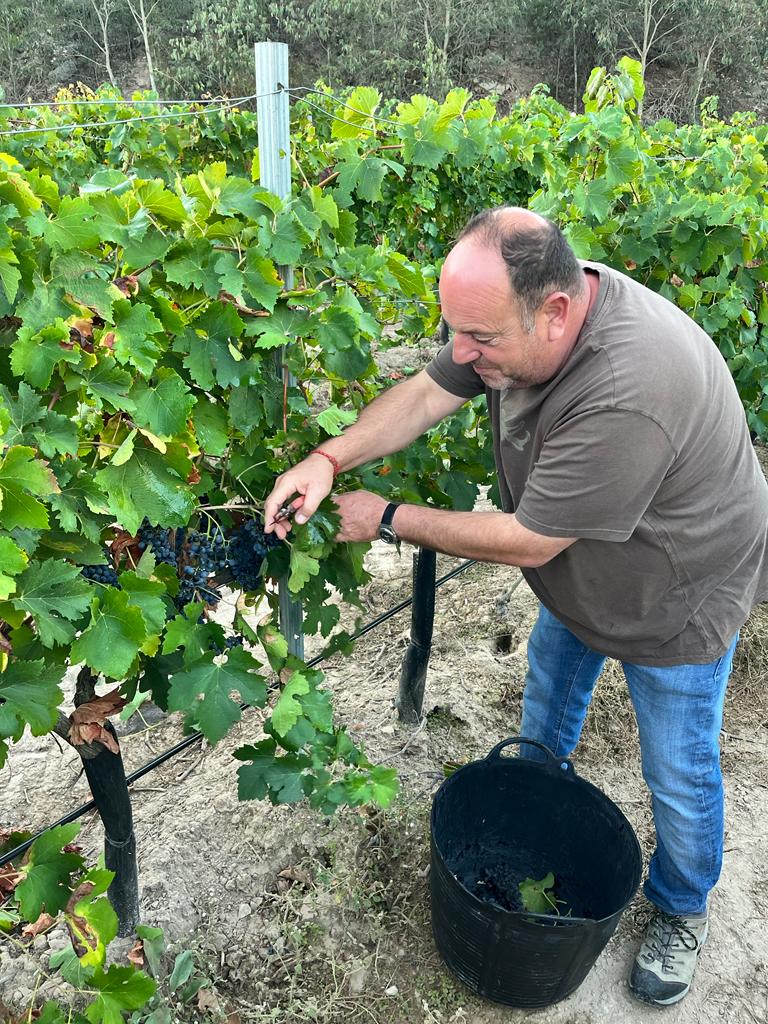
x=159, y=540
x=248, y=546
x=100, y=574
x=200, y=557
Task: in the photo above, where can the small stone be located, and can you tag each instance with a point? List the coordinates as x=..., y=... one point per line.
x=244, y=910
x=393, y=990
x=388, y=730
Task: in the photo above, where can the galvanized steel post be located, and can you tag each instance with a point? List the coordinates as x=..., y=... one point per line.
x=273, y=112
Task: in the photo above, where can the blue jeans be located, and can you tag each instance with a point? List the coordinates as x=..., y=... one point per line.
x=679, y=713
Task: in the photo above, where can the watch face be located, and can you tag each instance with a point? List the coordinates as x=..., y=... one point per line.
x=387, y=534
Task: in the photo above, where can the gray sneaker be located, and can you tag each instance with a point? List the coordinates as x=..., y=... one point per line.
x=663, y=969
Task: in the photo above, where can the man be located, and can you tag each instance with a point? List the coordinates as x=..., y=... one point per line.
x=632, y=500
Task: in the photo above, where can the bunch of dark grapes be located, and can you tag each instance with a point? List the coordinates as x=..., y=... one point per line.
x=248, y=546
x=159, y=541
x=235, y=640
x=100, y=574
x=200, y=558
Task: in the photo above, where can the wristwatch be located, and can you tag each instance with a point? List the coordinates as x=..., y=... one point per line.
x=386, y=529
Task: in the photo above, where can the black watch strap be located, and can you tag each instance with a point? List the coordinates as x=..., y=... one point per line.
x=389, y=512
x=387, y=531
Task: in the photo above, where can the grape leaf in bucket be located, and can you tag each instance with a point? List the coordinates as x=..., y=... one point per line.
x=539, y=897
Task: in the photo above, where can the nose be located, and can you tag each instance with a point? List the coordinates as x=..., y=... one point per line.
x=465, y=349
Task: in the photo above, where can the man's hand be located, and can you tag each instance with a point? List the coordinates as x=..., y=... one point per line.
x=313, y=478
x=361, y=514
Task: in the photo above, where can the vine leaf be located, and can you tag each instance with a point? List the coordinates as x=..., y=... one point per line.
x=135, y=329
x=47, y=873
x=288, y=709
x=20, y=473
x=12, y=561
x=54, y=593
x=90, y=919
x=538, y=896
x=279, y=778
x=119, y=989
x=202, y=691
x=30, y=696
x=146, y=485
x=113, y=637
x=303, y=567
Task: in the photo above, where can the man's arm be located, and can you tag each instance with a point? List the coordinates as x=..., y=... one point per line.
x=386, y=425
x=486, y=536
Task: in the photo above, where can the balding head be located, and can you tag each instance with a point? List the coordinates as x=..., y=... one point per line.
x=535, y=253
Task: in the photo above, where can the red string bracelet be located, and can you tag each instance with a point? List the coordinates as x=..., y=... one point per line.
x=334, y=462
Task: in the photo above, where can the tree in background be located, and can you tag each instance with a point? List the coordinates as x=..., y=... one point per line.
x=197, y=47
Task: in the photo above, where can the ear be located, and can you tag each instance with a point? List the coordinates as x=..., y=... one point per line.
x=554, y=313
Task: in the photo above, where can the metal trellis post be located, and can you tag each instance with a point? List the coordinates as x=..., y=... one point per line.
x=273, y=113
x=413, y=673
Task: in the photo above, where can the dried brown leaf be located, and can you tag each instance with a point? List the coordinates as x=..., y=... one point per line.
x=136, y=954
x=42, y=924
x=208, y=1000
x=294, y=873
x=88, y=721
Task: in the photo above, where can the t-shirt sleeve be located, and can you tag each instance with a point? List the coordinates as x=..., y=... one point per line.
x=596, y=476
x=458, y=380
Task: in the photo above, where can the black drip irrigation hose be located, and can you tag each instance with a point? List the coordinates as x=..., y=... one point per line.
x=150, y=766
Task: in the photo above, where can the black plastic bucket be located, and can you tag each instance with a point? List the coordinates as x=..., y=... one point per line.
x=499, y=821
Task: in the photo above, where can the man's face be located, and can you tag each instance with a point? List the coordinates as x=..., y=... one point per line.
x=484, y=322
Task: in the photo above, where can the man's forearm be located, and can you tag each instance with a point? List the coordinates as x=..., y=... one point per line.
x=391, y=421
x=486, y=536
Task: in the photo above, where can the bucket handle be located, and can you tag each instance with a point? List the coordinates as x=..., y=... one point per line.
x=552, y=762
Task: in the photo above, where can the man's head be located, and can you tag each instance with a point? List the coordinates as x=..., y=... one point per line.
x=514, y=297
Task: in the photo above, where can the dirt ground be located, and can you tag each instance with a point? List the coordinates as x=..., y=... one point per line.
x=296, y=917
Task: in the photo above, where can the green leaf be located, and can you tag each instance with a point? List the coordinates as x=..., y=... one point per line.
x=281, y=239
x=288, y=710
x=280, y=778
x=303, y=567
x=158, y=200
x=538, y=896
x=34, y=354
x=54, y=593
x=23, y=411
x=113, y=637
x=72, y=227
x=210, y=420
x=203, y=690
x=119, y=989
x=147, y=485
x=164, y=405
x=147, y=595
x=333, y=419
x=10, y=276
x=355, y=117
x=47, y=873
x=56, y=435
x=12, y=561
x=107, y=382
x=30, y=696
x=261, y=283
x=91, y=921
x=190, y=266
x=135, y=327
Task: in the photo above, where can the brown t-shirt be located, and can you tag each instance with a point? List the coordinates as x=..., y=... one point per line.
x=640, y=448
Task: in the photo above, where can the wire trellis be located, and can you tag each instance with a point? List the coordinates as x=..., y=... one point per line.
x=141, y=117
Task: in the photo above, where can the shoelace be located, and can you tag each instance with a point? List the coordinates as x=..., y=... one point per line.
x=666, y=929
